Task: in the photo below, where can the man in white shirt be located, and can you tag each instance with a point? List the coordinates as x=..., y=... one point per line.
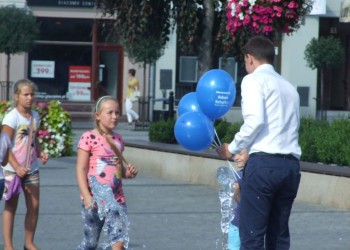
x=270, y=108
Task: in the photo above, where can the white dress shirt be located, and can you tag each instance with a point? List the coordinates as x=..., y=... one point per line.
x=270, y=109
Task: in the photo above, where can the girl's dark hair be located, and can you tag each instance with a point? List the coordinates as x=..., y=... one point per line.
x=261, y=48
x=132, y=72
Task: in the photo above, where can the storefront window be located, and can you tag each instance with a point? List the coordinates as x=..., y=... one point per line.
x=62, y=56
x=63, y=43
x=65, y=29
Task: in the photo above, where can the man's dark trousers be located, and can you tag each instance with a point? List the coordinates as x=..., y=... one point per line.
x=269, y=186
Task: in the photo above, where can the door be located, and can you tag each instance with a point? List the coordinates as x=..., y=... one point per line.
x=109, y=72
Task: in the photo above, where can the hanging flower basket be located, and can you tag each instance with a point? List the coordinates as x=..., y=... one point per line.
x=266, y=16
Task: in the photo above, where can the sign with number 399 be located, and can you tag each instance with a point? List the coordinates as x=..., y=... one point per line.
x=43, y=69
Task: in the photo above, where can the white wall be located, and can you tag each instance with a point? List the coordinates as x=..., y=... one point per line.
x=293, y=66
x=333, y=8
x=18, y=66
x=167, y=61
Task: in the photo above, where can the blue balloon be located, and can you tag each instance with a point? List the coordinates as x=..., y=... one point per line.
x=216, y=93
x=188, y=103
x=194, y=131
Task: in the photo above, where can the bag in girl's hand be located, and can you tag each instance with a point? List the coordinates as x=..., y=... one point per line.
x=13, y=186
x=135, y=96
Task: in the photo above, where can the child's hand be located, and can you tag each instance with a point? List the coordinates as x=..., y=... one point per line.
x=44, y=157
x=87, y=202
x=130, y=171
x=22, y=171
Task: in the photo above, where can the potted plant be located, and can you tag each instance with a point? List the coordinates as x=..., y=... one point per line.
x=320, y=54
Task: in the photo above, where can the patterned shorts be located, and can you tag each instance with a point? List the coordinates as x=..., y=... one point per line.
x=93, y=226
x=31, y=178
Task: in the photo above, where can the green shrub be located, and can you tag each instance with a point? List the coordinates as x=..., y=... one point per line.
x=308, y=133
x=231, y=131
x=332, y=146
x=320, y=140
x=162, y=131
x=221, y=126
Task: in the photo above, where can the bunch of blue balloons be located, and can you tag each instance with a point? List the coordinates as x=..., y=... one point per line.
x=214, y=96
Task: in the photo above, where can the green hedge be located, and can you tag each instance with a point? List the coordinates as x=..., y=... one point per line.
x=320, y=141
x=162, y=131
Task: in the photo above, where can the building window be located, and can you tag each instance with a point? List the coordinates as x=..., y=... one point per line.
x=63, y=56
x=63, y=43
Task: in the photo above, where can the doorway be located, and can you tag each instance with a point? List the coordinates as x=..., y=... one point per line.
x=109, y=71
x=337, y=79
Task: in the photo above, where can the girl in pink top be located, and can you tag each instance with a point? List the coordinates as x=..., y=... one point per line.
x=99, y=172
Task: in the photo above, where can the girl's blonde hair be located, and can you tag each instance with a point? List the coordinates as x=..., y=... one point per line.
x=98, y=109
x=18, y=86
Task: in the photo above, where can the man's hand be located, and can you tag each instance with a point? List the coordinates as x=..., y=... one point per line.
x=223, y=151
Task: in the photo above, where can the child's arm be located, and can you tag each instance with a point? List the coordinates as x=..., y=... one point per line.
x=44, y=157
x=5, y=160
x=129, y=171
x=21, y=171
x=6, y=144
x=82, y=168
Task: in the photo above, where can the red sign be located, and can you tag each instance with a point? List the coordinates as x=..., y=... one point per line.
x=79, y=83
x=80, y=74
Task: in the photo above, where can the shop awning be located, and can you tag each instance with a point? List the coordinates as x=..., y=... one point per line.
x=345, y=12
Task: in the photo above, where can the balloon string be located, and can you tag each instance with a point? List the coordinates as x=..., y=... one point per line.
x=217, y=137
x=235, y=174
x=215, y=144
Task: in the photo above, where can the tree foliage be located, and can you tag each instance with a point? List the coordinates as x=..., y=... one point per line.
x=142, y=26
x=18, y=29
x=146, y=25
x=324, y=52
x=320, y=54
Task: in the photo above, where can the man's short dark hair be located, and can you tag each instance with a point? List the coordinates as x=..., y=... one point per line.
x=261, y=48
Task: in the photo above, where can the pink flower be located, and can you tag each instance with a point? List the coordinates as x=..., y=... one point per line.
x=292, y=5
x=246, y=20
x=266, y=16
x=267, y=29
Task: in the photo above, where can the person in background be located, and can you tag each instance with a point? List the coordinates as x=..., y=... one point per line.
x=99, y=157
x=133, y=85
x=270, y=182
x=21, y=124
x=234, y=242
x=5, y=144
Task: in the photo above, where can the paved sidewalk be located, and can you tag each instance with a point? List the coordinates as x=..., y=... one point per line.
x=164, y=215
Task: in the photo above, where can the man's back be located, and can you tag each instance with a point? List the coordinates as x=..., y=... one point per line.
x=266, y=89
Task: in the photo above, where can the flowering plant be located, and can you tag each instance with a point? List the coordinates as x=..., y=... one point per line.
x=55, y=130
x=266, y=16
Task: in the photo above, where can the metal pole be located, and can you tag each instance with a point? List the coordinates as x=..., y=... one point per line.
x=152, y=80
x=171, y=105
